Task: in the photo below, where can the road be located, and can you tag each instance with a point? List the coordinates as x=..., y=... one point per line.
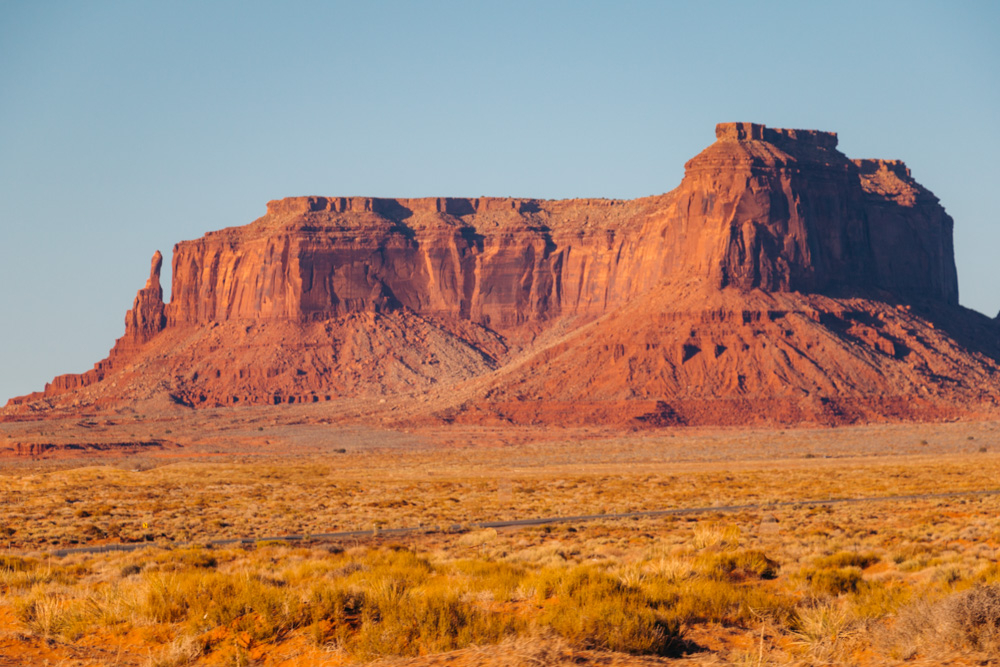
x=522, y=523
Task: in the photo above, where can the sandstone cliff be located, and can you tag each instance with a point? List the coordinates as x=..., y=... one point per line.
x=327, y=297
x=776, y=209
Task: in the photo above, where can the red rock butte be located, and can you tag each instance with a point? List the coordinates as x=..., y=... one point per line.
x=780, y=282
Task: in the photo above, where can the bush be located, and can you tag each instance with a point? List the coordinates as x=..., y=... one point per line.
x=187, y=558
x=969, y=620
x=847, y=559
x=501, y=579
x=393, y=602
x=334, y=613
x=369, y=603
x=205, y=599
x=708, y=535
x=18, y=573
x=130, y=569
x=739, y=565
x=823, y=629
x=50, y=616
x=422, y=623
x=836, y=581
x=595, y=610
x=972, y=618
x=719, y=601
x=989, y=575
x=875, y=600
x=16, y=564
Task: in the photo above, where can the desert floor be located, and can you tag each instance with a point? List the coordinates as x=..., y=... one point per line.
x=904, y=581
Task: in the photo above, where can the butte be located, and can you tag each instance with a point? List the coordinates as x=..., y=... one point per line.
x=781, y=282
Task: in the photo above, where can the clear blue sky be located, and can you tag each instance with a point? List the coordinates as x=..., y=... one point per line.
x=128, y=126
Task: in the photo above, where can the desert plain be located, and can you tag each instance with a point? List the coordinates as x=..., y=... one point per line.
x=219, y=510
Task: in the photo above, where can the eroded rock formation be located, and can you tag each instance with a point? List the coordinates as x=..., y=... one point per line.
x=775, y=209
x=326, y=297
x=148, y=315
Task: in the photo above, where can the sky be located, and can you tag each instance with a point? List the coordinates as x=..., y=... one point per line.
x=126, y=127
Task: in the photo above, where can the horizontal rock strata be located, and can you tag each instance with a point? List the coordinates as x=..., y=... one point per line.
x=330, y=297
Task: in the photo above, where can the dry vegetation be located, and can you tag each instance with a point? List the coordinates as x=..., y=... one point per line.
x=909, y=582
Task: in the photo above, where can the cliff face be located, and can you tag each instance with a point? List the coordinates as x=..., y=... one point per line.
x=903, y=214
x=466, y=280
x=502, y=263
x=780, y=210
x=783, y=210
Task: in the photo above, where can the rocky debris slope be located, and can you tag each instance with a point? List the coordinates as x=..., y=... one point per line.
x=781, y=281
x=682, y=354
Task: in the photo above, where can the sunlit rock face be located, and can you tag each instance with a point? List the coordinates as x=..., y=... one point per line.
x=779, y=210
x=327, y=297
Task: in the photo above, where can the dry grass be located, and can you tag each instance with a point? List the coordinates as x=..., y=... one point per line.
x=961, y=622
x=202, y=501
x=842, y=584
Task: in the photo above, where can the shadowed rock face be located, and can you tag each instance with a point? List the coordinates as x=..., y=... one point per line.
x=760, y=210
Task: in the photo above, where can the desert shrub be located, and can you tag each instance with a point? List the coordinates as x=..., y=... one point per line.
x=972, y=618
x=844, y=559
x=396, y=603
x=16, y=563
x=187, y=558
x=595, y=610
x=912, y=557
x=875, y=600
x=500, y=579
x=394, y=564
x=716, y=535
x=334, y=613
x=49, y=615
x=310, y=570
x=949, y=575
x=989, y=574
x=130, y=569
x=739, y=565
x=545, y=582
x=182, y=651
x=427, y=623
x=834, y=581
x=113, y=606
x=263, y=544
x=264, y=610
x=163, y=601
x=18, y=573
x=914, y=564
x=967, y=620
x=197, y=558
x=715, y=600
x=822, y=629
x=671, y=568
